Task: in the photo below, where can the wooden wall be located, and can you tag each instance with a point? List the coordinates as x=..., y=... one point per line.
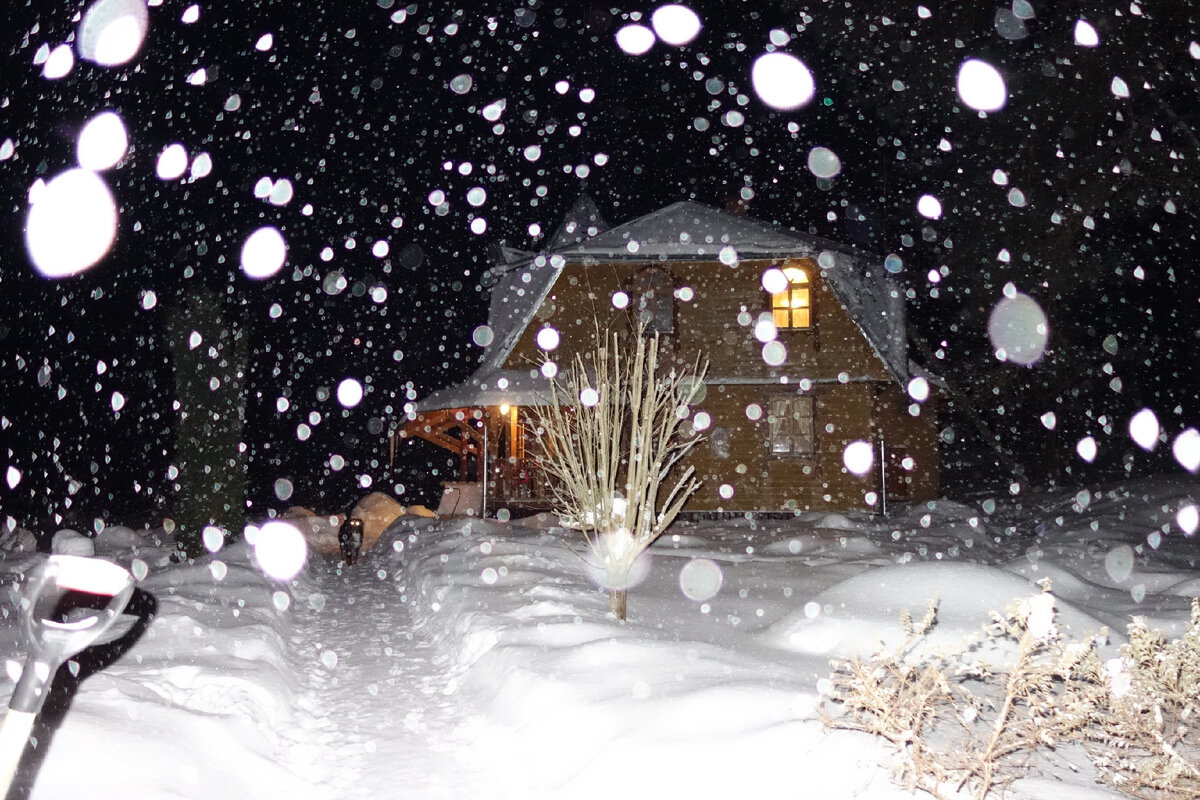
x=718, y=321
x=844, y=413
x=855, y=396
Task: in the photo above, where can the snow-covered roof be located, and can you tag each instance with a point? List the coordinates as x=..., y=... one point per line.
x=491, y=387
x=581, y=222
x=682, y=231
x=694, y=231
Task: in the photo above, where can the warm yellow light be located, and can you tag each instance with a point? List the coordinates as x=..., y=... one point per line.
x=504, y=408
x=790, y=307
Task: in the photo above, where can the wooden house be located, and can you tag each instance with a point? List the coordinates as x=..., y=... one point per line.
x=806, y=343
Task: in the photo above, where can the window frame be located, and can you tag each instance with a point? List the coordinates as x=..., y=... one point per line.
x=809, y=286
x=814, y=437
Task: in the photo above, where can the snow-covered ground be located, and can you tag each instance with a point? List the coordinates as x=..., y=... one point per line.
x=474, y=659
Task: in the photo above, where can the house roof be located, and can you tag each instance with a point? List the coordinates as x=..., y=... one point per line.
x=682, y=231
x=582, y=221
x=691, y=230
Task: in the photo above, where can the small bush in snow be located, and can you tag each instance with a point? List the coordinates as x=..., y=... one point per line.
x=612, y=439
x=1146, y=740
x=959, y=724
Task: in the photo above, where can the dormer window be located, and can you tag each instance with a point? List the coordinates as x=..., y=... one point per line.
x=654, y=300
x=792, y=307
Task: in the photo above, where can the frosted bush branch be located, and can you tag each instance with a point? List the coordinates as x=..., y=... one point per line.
x=956, y=724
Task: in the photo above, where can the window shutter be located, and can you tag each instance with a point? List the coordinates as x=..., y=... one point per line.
x=780, y=422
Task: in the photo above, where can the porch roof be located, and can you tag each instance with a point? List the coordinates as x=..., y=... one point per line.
x=491, y=387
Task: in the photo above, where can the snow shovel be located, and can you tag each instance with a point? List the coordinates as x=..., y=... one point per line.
x=67, y=603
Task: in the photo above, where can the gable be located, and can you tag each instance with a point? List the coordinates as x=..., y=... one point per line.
x=691, y=230
x=715, y=311
x=582, y=221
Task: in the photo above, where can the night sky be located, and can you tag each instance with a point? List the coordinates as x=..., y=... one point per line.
x=369, y=108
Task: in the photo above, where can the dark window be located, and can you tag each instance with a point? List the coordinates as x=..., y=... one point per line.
x=654, y=300
x=792, y=431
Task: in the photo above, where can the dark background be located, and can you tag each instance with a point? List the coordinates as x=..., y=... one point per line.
x=356, y=109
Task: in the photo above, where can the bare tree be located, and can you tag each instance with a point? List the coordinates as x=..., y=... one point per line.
x=613, y=435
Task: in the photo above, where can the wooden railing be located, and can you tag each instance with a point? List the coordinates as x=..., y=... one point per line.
x=518, y=484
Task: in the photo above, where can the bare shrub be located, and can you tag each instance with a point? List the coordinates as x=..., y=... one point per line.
x=1147, y=742
x=957, y=722
x=612, y=439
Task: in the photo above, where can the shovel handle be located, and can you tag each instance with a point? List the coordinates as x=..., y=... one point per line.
x=51, y=641
x=14, y=734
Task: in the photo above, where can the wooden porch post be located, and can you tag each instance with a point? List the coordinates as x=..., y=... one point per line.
x=462, y=456
x=883, y=487
x=481, y=461
x=482, y=466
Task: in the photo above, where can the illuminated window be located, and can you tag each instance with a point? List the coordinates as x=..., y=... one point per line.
x=792, y=308
x=791, y=426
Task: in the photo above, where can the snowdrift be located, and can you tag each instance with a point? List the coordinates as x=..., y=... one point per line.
x=474, y=659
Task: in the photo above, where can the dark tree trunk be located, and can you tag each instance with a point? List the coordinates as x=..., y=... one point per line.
x=616, y=603
x=209, y=354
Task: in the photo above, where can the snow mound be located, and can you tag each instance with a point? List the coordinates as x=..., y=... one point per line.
x=120, y=542
x=72, y=543
x=377, y=511
x=858, y=615
x=320, y=532
x=542, y=521
x=836, y=522
x=118, y=536
x=18, y=540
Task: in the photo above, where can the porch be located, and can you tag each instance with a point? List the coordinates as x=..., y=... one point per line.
x=492, y=447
